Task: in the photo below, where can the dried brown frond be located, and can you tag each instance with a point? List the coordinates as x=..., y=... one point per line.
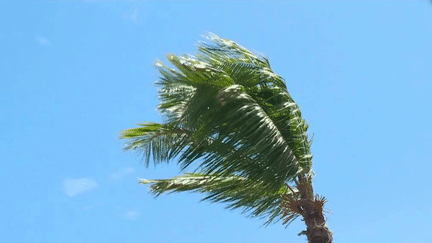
x=290, y=207
x=319, y=202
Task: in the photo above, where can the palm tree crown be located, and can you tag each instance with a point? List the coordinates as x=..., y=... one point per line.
x=230, y=113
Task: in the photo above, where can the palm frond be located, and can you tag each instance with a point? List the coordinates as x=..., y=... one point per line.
x=162, y=141
x=227, y=110
x=237, y=191
x=241, y=129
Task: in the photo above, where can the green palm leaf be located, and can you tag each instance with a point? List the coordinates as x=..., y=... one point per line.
x=237, y=191
x=227, y=111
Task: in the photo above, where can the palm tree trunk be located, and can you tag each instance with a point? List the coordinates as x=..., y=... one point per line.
x=311, y=208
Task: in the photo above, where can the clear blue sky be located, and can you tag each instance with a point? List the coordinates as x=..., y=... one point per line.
x=73, y=74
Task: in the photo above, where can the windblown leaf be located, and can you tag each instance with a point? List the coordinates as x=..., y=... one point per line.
x=237, y=191
x=228, y=111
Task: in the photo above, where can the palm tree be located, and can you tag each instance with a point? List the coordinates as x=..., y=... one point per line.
x=229, y=112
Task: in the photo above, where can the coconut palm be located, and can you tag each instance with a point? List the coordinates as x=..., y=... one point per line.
x=228, y=112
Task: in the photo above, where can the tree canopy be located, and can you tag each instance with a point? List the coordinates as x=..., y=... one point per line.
x=227, y=111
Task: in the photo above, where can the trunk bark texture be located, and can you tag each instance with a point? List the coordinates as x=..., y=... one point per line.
x=317, y=231
x=311, y=208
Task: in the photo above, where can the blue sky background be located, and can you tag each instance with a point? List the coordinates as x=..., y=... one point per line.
x=73, y=74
